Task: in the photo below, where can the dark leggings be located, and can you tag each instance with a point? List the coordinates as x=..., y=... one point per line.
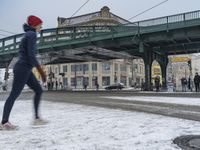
x=22, y=75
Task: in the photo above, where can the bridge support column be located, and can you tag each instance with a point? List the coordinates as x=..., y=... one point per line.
x=163, y=64
x=147, y=57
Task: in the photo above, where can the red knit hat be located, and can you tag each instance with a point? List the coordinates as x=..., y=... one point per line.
x=33, y=21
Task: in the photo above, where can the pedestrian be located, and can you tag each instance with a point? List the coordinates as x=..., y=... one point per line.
x=189, y=84
x=48, y=85
x=196, y=82
x=142, y=85
x=61, y=85
x=52, y=85
x=183, y=84
x=23, y=73
x=174, y=85
x=85, y=85
x=157, y=83
x=96, y=84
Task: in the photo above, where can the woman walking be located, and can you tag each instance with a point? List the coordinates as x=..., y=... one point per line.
x=23, y=73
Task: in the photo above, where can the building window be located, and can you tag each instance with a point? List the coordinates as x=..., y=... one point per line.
x=85, y=81
x=73, y=82
x=72, y=68
x=48, y=70
x=94, y=80
x=79, y=81
x=79, y=67
x=105, y=67
x=123, y=67
x=105, y=81
x=123, y=80
x=94, y=67
x=140, y=69
x=135, y=68
x=85, y=67
x=65, y=68
x=65, y=82
x=56, y=70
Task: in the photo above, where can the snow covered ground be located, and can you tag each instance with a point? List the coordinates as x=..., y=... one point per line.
x=77, y=127
x=173, y=100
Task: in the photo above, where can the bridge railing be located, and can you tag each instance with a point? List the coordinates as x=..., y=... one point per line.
x=168, y=19
x=166, y=22
x=11, y=44
x=71, y=33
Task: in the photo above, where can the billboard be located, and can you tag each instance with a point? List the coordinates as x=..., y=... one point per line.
x=180, y=59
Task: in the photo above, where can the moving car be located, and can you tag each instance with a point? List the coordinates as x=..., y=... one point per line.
x=117, y=86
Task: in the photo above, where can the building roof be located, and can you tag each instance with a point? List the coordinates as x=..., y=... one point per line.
x=91, y=16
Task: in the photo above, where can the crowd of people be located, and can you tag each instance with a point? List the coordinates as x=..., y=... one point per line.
x=55, y=85
x=156, y=85
x=187, y=83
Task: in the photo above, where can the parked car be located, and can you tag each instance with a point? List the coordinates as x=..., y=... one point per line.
x=117, y=86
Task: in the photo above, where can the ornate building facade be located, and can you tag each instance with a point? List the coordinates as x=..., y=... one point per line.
x=75, y=75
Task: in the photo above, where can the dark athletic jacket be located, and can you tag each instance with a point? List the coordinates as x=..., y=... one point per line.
x=27, y=48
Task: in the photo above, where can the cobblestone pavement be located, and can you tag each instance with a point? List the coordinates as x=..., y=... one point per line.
x=95, y=98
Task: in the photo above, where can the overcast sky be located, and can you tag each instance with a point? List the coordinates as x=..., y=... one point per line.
x=13, y=13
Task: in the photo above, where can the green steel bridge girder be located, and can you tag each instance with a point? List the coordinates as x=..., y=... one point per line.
x=152, y=39
x=152, y=36
x=177, y=41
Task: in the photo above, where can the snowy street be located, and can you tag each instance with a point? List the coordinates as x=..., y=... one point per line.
x=100, y=75
x=80, y=127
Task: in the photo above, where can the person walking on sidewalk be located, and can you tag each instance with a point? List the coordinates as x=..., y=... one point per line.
x=196, y=82
x=157, y=83
x=23, y=73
